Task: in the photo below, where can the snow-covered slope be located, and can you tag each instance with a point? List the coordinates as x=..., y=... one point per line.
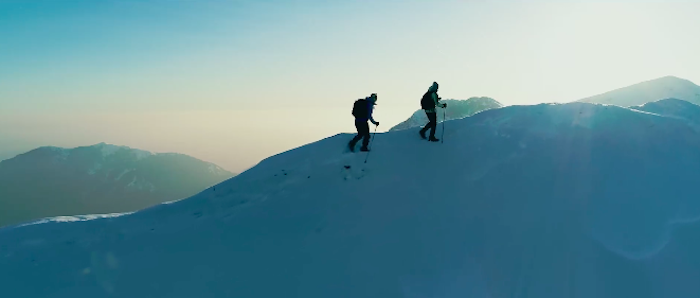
x=649, y=91
x=547, y=201
x=102, y=178
x=456, y=109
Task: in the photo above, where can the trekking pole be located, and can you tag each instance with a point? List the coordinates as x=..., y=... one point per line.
x=444, y=119
x=371, y=141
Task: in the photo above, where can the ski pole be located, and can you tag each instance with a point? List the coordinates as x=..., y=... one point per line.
x=371, y=141
x=444, y=119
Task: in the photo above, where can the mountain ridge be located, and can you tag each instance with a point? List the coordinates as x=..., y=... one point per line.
x=456, y=109
x=649, y=91
x=550, y=200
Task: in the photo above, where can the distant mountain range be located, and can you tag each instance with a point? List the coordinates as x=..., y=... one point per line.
x=664, y=88
x=103, y=178
x=456, y=109
x=649, y=91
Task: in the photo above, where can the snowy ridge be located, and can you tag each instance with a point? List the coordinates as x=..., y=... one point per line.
x=675, y=108
x=552, y=200
x=74, y=218
x=456, y=109
x=109, y=149
x=215, y=169
x=649, y=91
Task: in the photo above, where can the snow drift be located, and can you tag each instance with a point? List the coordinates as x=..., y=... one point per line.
x=571, y=200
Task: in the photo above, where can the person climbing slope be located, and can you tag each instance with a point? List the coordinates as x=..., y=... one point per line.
x=429, y=102
x=362, y=110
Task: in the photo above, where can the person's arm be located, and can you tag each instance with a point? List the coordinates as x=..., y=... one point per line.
x=371, y=118
x=436, y=99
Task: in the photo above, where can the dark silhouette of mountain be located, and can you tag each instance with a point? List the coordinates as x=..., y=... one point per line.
x=103, y=178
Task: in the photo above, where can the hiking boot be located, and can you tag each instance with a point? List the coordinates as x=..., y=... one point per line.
x=364, y=149
x=433, y=139
x=422, y=134
x=351, y=146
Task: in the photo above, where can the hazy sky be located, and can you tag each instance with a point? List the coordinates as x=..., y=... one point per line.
x=233, y=82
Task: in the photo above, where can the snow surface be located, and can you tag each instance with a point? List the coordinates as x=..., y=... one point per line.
x=214, y=169
x=572, y=200
x=75, y=218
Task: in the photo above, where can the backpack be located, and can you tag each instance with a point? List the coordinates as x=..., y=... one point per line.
x=427, y=102
x=360, y=109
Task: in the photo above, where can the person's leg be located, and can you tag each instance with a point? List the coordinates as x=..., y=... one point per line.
x=426, y=127
x=365, y=135
x=433, y=124
x=358, y=126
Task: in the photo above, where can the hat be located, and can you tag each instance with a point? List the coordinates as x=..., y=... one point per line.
x=434, y=86
x=373, y=98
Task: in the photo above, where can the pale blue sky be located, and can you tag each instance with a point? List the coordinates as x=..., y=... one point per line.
x=259, y=77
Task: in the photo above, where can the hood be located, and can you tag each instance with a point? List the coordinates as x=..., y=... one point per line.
x=434, y=87
x=371, y=99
